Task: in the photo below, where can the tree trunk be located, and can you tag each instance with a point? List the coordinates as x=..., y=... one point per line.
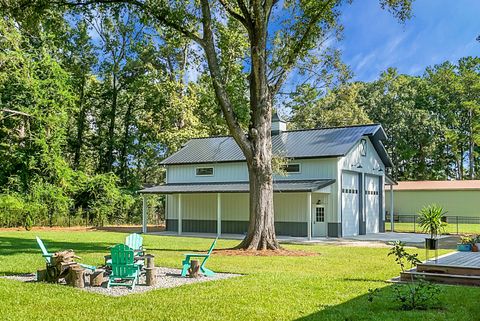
x=80, y=125
x=461, y=170
x=125, y=143
x=111, y=127
x=471, y=147
x=261, y=230
x=257, y=145
x=97, y=278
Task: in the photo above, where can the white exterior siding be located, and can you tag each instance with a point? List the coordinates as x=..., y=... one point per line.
x=235, y=207
x=172, y=209
x=288, y=207
x=237, y=171
x=370, y=164
x=223, y=172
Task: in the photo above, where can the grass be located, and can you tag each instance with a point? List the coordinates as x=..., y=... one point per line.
x=331, y=286
x=449, y=229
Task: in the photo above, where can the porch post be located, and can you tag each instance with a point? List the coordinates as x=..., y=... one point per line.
x=309, y=213
x=144, y=214
x=219, y=214
x=179, y=214
x=391, y=208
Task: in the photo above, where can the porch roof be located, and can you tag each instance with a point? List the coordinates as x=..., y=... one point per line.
x=237, y=187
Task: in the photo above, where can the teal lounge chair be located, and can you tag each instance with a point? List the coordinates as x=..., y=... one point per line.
x=135, y=242
x=48, y=256
x=124, y=270
x=203, y=269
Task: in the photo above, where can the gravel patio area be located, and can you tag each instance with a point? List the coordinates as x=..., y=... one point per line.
x=166, y=278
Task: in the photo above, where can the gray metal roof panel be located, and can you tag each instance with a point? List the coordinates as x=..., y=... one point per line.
x=237, y=187
x=324, y=142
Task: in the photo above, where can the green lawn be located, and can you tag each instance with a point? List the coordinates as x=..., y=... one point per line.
x=331, y=286
x=451, y=228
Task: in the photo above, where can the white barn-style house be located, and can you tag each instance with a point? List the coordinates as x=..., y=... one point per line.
x=333, y=187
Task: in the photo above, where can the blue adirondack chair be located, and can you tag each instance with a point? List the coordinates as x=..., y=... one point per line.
x=124, y=270
x=48, y=256
x=135, y=242
x=203, y=269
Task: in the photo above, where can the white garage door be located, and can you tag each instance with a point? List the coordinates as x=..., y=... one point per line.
x=372, y=203
x=350, y=204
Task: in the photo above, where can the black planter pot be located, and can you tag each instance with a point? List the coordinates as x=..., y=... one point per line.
x=431, y=244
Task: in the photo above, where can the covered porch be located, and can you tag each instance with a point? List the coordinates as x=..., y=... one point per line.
x=222, y=208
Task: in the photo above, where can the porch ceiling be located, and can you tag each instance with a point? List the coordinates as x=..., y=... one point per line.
x=237, y=187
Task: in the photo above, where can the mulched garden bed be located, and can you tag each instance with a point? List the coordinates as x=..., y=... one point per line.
x=166, y=278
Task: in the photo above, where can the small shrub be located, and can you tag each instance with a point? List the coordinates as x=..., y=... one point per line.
x=415, y=295
x=420, y=295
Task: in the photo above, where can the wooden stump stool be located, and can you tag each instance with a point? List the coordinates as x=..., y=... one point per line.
x=96, y=278
x=194, y=268
x=76, y=276
x=151, y=275
x=41, y=275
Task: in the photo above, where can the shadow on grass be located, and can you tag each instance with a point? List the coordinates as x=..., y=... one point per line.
x=21, y=245
x=128, y=229
x=383, y=307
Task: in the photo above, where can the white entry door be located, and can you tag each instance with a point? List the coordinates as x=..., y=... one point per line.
x=372, y=203
x=319, y=221
x=350, y=204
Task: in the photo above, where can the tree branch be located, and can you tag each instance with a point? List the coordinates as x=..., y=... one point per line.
x=233, y=13
x=218, y=82
x=292, y=57
x=160, y=16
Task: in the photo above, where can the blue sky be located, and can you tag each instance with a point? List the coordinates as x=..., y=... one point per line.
x=440, y=30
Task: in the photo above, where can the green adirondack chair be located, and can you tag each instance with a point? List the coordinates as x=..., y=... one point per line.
x=48, y=256
x=203, y=269
x=124, y=270
x=135, y=242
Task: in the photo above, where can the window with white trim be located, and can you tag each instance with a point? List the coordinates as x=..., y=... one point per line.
x=204, y=171
x=292, y=168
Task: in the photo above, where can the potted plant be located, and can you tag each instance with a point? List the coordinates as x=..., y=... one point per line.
x=431, y=221
x=465, y=244
x=476, y=241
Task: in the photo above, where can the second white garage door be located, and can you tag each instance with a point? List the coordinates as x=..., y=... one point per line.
x=350, y=204
x=372, y=203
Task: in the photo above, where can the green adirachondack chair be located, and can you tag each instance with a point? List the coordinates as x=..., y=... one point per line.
x=135, y=242
x=48, y=256
x=125, y=271
x=203, y=269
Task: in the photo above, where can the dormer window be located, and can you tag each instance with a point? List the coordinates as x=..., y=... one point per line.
x=204, y=171
x=292, y=168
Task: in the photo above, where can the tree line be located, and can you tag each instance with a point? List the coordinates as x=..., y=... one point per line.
x=90, y=102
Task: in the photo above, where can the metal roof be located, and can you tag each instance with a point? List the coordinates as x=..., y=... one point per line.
x=237, y=187
x=323, y=142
